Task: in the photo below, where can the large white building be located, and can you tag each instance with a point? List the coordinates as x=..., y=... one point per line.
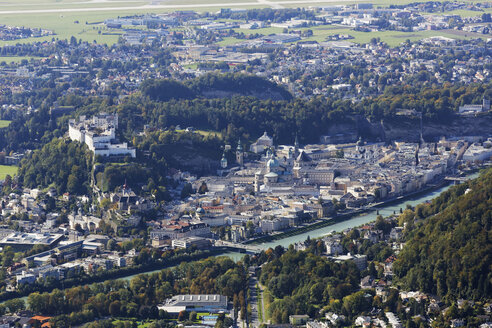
x=263, y=142
x=473, y=109
x=99, y=134
x=198, y=303
x=478, y=152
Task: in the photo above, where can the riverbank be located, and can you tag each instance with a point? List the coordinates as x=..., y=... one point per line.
x=315, y=230
x=121, y=273
x=325, y=222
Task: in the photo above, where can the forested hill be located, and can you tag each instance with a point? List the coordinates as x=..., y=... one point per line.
x=220, y=86
x=450, y=254
x=215, y=86
x=62, y=164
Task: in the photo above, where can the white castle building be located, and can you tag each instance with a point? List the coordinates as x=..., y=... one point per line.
x=98, y=133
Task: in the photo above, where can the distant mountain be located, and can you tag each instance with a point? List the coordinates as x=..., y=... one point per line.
x=450, y=253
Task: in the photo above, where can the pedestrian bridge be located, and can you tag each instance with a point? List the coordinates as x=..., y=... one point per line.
x=457, y=179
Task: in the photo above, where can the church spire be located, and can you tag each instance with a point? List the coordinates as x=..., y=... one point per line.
x=296, y=147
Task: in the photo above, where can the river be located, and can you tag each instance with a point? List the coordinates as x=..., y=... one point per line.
x=359, y=219
x=355, y=221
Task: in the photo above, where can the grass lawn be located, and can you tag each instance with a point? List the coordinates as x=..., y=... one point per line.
x=191, y=66
x=268, y=299
x=17, y=59
x=466, y=13
x=260, y=305
x=7, y=170
x=64, y=24
x=208, y=133
x=392, y=38
x=205, y=133
x=228, y=41
x=4, y=123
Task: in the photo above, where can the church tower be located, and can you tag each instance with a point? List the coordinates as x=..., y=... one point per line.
x=223, y=161
x=239, y=154
x=296, y=147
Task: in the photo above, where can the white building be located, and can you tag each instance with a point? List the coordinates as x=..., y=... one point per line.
x=99, y=134
x=25, y=278
x=198, y=303
x=199, y=243
x=393, y=320
x=473, y=109
x=276, y=224
x=477, y=152
x=317, y=324
x=363, y=321
x=261, y=144
x=333, y=247
x=359, y=260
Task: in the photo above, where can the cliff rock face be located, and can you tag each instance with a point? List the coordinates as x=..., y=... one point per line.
x=461, y=126
x=408, y=128
x=260, y=94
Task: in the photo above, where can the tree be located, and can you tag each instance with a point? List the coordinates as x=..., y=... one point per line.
x=15, y=305
x=454, y=223
x=203, y=188
x=7, y=256
x=182, y=315
x=372, y=269
x=112, y=245
x=187, y=190
x=355, y=303
x=382, y=225
x=114, y=308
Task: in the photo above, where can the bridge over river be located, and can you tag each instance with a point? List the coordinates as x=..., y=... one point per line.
x=240, y=247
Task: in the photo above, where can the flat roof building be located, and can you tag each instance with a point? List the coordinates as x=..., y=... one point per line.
x=29, y=239
x=204, y=303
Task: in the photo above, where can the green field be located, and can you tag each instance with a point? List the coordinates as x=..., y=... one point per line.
x=73, y=23
x=466, y=13
x=82, y=18
x=229, y=41
x=4, y=123
x=16, y=60
x=5, y=169
x=205, y=133
x=392, y=38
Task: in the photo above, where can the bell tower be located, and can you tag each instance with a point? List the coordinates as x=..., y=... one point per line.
x=239, y=154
